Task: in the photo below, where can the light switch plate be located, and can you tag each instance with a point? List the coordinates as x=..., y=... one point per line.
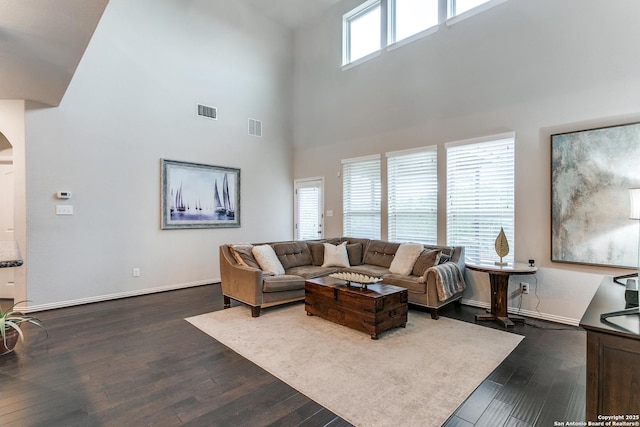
x=64, y=210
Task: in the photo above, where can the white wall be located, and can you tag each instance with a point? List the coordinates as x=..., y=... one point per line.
x=132, y=102
x=533, y=67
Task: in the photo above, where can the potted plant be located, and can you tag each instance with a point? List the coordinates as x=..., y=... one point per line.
x=10, y=321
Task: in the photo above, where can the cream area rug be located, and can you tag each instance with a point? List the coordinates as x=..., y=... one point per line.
x=413, y=376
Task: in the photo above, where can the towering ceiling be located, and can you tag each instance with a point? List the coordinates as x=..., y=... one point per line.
x=42, y=41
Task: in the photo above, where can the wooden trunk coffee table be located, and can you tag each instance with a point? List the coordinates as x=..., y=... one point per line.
x=373, y=309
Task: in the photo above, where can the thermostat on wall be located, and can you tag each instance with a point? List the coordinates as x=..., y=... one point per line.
x=64, y=194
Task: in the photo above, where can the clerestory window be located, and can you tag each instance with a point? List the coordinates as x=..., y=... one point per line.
x=378, y=24
x=458, y=7
x=409, y=17
x=362, y=31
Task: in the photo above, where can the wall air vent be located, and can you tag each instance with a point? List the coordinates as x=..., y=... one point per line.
x=208, y=112
x=255, y=127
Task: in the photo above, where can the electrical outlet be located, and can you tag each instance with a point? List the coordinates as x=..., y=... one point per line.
x=136, y=272
x=524, y=287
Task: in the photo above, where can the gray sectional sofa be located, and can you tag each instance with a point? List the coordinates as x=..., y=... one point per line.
x=243, y=279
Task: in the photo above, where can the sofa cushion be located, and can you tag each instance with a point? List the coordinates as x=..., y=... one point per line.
x=292, y=254
x=335, y=255
x=354, y=252
x=405, y=257
x=284, y=282
x=267, y=259
x=412, y=283
x=243, y=255
x=380, y=253
x=317, y=252
x=311, y=271
x=426, y=259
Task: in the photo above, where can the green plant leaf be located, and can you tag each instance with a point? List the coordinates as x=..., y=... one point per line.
x=18, y=330
x=12, y=319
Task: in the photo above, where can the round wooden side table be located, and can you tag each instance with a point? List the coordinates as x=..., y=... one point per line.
x=499, y=279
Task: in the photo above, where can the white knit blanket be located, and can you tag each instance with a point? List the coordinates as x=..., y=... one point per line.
x=449, y=279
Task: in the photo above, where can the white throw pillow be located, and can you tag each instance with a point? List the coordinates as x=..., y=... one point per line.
x=268, y=260
x=336, y=256
x=405, y=257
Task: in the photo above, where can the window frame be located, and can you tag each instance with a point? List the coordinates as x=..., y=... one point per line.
x=453, y=18
x=392, y=26
x=353, y=14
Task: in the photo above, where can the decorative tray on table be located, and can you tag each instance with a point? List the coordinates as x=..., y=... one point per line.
x=360, y=279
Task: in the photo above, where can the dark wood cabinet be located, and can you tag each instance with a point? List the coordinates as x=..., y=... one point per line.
x=613, y=356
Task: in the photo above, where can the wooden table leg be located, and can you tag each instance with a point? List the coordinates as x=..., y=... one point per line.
x=499, y=288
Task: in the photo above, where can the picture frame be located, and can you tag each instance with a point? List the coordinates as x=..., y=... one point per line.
x=196, y=195
x=591, y=173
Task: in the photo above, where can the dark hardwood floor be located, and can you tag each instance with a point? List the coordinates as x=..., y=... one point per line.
x=136, y=362
x=543, y=380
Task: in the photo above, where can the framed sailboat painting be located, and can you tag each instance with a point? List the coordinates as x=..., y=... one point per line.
x=199, y=196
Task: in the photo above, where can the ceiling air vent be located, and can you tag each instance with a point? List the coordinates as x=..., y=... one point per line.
x=255, y=127
x=208, y=112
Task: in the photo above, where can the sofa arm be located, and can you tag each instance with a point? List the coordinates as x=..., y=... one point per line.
x=239, y=282
x=448, y=280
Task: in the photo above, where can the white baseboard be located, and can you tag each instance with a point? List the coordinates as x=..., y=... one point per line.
x=127, y=294
x=527, y=313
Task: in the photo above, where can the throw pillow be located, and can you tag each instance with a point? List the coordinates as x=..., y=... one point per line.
x=354, y=251
x=405, y=257
x=445, y=256
x=335, y=256
x=268, y=260
x=317, y=253
x=426, y=259
x=244, y=256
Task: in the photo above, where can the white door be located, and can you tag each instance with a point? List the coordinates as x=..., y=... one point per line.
x=309, y=204
x=6, y=224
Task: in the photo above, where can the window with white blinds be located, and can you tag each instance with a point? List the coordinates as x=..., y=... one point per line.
x=480, y=195
x=412, y=190
x=361, y=196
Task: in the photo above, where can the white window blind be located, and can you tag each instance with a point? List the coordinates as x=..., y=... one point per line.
x=480, y=195
x=361, y=196
x=412, y=188
x=307, y=213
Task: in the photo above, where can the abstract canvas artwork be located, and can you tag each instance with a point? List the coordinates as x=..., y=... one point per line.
x=591, y=173
x=199, y=196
